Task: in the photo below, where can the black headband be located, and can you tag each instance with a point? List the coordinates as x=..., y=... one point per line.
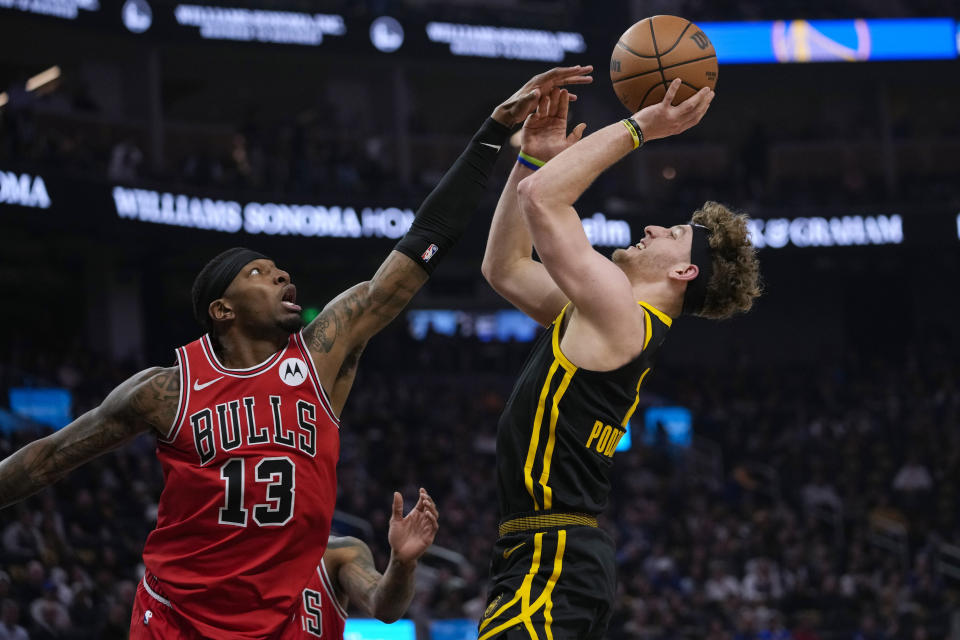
x=216, y=276
x=702, y=256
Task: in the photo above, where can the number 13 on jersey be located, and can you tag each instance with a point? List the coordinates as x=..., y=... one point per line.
x=279, y=475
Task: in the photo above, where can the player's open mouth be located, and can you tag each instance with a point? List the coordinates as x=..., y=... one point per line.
x=639, y=245
x=289, y=300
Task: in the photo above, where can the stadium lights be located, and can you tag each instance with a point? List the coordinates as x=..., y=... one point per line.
x=43, y=78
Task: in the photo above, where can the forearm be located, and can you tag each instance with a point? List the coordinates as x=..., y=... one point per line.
x=149, y=397
x=395, y=590
x=27, y=471
x=509, y=239
x=564, y=179
x=444, y=215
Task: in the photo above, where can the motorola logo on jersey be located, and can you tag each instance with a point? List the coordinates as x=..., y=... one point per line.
x=293, y=371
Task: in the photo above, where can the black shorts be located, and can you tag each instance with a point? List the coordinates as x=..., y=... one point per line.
x=559, y=583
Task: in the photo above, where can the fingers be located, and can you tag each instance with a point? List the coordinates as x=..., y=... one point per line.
x=579, y=74
x=702, y=110
x=697, y=107
x=559, y=76
x=577, y=133
x=543, y=108
x=432, y=522
x=554, y=104
x=525, y=101
x=559, y=102
x=525, y=104
x=694, y=102
x=397, y=505
x=429, y=507
x=672, y=91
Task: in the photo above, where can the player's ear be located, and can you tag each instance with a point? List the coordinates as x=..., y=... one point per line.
x=221, y=310
x=686, y=274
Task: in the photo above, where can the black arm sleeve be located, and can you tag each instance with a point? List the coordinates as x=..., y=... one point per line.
x=444, y=215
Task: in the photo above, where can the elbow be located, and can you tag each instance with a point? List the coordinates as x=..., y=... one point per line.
x=529, y=193
x=532, y=194
x=387, y=615
x=492, y=271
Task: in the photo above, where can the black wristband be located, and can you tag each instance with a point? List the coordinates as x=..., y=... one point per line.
x=444, y=215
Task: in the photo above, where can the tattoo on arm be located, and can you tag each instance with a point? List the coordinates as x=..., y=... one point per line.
x=156, y=402
x=349, y=366
x=360, y=312
x=146, y=400
x=321, y=335
x=358, y=577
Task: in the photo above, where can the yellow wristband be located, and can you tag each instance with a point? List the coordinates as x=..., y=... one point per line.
x=633, y=132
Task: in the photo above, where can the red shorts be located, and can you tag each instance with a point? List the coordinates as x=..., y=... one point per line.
x=154, y=618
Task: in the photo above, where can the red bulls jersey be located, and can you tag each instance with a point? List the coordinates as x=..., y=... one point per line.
x=321, y=614
x=250, y=483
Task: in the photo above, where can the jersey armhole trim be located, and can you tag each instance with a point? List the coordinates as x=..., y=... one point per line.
x=315, y=378
x=328, y=587
x=183, y=364
x=568, y=366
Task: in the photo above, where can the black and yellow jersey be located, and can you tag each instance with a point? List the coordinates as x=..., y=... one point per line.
x=561, y=425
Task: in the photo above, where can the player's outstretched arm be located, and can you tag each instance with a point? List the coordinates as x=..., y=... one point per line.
x=508, y=264
x=597, y=287
x=147, y=400
x=337, y=336
x=387, y=596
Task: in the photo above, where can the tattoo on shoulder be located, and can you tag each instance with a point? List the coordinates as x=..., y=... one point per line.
x=322, y=333
x=155, y=401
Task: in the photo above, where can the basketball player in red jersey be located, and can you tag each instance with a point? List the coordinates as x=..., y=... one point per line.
x=246, y=423
x=347, y=573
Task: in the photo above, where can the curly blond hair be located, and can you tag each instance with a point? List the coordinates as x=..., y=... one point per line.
x=736, y=271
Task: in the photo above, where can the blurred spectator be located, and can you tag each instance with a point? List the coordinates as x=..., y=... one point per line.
x=819, y=492
x=721, y=585
x=913, y=477
x=762, y=582
x=10, y=628
x=125, y=160
x=50, y=617
x=22, y=539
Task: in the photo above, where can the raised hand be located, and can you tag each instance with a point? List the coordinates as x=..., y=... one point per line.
x=664, y=119
x=544, y=133
x=522, y=103
x=409, y=536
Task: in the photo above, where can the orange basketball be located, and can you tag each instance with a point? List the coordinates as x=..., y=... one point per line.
x=654, y=51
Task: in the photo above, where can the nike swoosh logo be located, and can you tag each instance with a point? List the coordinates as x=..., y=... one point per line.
x=200, y=387
x=509, y=552
x=495, y=147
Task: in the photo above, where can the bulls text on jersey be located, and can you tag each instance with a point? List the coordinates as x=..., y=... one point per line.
x=231, y=425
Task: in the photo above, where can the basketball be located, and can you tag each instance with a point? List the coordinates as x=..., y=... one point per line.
x=654, y=51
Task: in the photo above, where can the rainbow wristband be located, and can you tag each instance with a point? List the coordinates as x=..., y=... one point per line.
x=529, y=161
x=635, y=132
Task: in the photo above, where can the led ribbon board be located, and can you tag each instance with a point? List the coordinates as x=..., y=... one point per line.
x=784, y=41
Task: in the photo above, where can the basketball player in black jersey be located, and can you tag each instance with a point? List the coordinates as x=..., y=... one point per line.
x=553, y=573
